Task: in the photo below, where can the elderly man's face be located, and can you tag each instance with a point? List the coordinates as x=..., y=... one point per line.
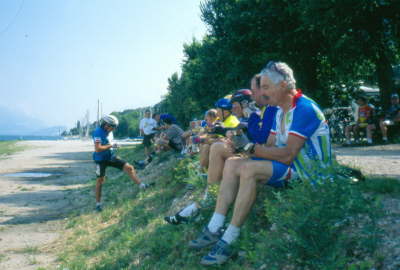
x=271, y=92
x=257, y=95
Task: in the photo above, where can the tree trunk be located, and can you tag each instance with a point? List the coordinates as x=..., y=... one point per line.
x=385, y=78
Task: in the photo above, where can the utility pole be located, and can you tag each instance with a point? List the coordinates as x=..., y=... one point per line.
x=98, y=108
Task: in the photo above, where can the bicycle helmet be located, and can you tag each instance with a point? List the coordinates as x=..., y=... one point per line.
x=110, y=120
x=224, y=103
x=241, y=95
x=167, y=118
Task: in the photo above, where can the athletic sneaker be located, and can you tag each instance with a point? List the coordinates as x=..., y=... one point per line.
x=143, y=186
x=205, y=239
x=178, y=219
x=99, y=208
x=219, y=254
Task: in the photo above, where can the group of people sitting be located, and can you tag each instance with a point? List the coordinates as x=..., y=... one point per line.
x=270, y=135
x=367, y=119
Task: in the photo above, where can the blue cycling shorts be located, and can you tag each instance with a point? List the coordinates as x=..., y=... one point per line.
x=281, y=173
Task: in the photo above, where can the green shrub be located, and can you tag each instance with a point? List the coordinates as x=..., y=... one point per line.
x=326, y=225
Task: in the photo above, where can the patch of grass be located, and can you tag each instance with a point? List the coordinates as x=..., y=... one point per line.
x=9, y=147
x=315, y=227
x=32, y=260
x=28, y=250
x=389, y=186
x=3, y=257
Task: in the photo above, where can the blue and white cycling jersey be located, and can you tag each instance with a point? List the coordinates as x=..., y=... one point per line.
x=305, y=120
x=101, y=135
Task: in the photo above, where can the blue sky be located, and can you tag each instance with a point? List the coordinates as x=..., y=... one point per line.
x=59, y=57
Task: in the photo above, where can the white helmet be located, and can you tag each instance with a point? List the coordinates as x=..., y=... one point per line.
x=111, y=120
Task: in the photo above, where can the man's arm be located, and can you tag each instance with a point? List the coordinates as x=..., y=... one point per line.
x=271, y=140
x=100, y=148
x=285, y=154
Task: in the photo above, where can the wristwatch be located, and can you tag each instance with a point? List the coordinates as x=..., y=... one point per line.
x=249, y=148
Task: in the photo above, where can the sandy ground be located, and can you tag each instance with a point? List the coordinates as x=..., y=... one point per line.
x=378, y=160
x=33, y=210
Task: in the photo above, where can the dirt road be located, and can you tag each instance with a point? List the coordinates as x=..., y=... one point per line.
x=378, y=160
x=32, y=209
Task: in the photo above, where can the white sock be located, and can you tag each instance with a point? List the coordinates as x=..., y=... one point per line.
x=216, y=222
x=205, y=194
x=98, y=203
x=142, y=185
x=188, y=210
x=384, y=138
x=231, y=234
x=369, y=140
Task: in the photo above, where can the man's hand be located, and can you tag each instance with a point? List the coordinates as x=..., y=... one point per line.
x=115, y=146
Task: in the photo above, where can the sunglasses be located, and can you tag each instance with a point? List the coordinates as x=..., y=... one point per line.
x=271, y=66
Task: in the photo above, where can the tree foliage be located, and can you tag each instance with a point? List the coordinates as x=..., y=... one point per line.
x=332, y=46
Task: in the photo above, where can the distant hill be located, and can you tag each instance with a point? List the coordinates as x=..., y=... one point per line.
x=13, y=122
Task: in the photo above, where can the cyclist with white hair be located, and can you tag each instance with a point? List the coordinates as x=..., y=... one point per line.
x=298, y=145
x=104, y=157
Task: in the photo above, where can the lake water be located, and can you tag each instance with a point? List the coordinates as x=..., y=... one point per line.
x=29, y=174
x=28, y=138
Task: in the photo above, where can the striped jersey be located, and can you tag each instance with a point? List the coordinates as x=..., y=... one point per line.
x=305, y=120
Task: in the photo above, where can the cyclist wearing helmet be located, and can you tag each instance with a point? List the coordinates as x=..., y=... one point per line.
x=104, y=157
x=241, y=104
x=224, y=109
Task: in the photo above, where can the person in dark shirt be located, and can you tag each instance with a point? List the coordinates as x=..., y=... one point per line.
x=392, y=116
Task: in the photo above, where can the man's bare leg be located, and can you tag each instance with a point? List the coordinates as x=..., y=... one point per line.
x=252, y=172
x=227, y=192
x=99, y=184
x=219, y=152
x=384, y=130
x=128, y=168
x=204, y=155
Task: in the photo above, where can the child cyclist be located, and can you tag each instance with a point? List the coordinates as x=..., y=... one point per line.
x=104, y=157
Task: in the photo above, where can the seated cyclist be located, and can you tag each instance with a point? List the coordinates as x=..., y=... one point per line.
x=392, y=116
x=227, y=121
x=171, y=136
x=365, y=120
x=199, y=131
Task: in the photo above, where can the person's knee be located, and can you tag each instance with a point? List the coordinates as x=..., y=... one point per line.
x=128, y=168
x=247, y=171
x=216, y=147
x=100, y=180
x=233, y=165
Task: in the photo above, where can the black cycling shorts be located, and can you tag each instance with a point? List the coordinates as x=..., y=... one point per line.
x=114, y=162
x=147, y=140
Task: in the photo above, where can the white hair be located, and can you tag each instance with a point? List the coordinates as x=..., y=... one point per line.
x=279, y=71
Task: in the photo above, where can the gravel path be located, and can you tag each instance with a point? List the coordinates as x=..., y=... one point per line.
x=32, y=210
x=379, y=160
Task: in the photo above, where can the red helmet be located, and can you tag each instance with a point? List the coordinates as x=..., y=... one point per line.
x=241, y=95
